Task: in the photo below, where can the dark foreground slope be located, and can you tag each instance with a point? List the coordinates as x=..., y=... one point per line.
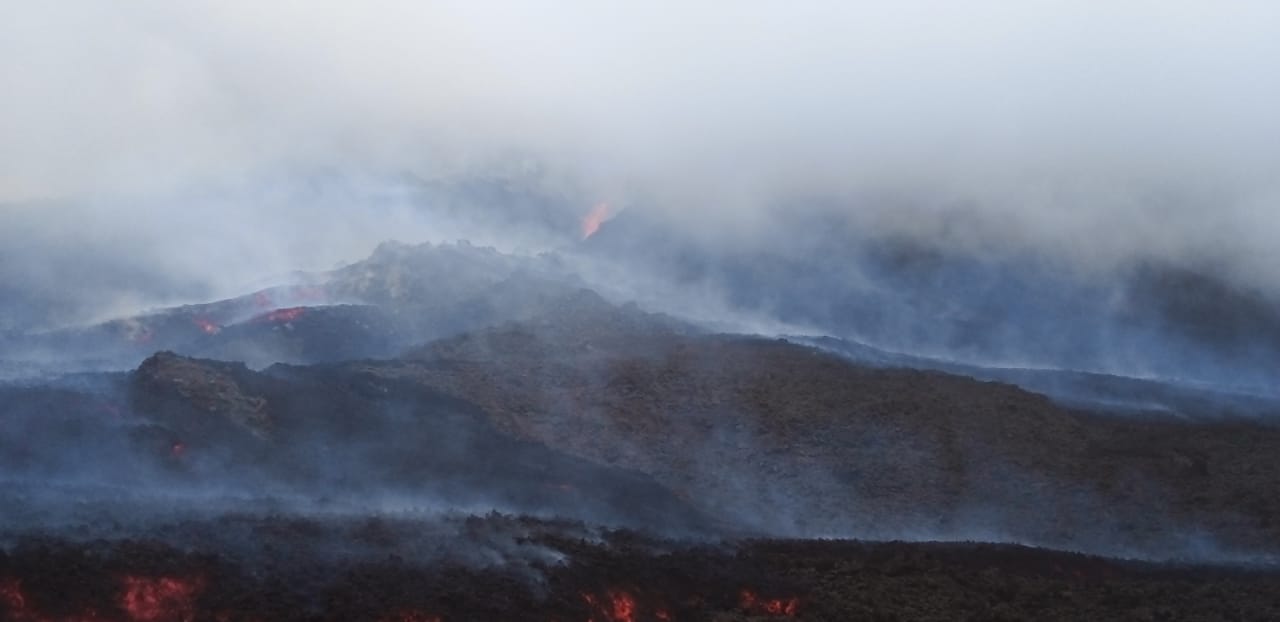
x=560, y=571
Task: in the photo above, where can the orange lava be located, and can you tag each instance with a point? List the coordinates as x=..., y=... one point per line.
x=159, y=599
x=620, y=606
x=281, y=316
x=594, y=218
x=205, y=325
x=782, y=607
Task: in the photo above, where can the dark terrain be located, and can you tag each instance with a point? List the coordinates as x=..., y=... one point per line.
x=450, y=433
x=611, y=577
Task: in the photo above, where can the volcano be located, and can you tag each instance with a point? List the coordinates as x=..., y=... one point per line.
x=449, y=432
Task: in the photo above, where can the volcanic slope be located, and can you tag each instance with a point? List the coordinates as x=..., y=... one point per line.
x=789, y=440
x=400, y=295
x=192, y=436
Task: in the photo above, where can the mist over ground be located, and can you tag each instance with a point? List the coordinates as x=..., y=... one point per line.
x=176, y=150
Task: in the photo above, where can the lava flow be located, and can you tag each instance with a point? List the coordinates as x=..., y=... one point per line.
x=592, y=221
x=209, y=328
x=752, y=603
x=618, y=606
x=162, y=599
x=281, y=316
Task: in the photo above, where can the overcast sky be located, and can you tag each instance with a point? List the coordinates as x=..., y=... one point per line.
x=1118, y=121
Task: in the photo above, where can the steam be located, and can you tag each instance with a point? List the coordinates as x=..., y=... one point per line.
x=1134, y=129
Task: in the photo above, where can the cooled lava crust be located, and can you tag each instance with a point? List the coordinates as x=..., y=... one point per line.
x=614, y=576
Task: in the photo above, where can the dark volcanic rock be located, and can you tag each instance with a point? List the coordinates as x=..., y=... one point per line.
x=790, y=439
x=543, y=570
x=327, y=430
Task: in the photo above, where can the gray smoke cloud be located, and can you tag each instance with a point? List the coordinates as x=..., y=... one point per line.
x=184, y=140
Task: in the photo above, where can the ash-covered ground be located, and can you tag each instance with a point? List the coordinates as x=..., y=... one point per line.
x=452, y=433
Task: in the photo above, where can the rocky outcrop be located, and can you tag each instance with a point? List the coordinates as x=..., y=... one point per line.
x=202, y=388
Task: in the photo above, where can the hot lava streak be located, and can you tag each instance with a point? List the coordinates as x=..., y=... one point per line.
x=617, y=606
x=594, y=218
x=281, y=316
x=207, y=326
x=750, y=602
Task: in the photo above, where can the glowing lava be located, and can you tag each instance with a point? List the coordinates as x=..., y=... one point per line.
x=14, y=606
x=594, y=218
x=208, y=327
x=750, y=602
x=159, y=599
x=282, y=316
x=621, y=606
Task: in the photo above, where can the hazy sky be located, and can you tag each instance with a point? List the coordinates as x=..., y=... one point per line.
x=1151, y=123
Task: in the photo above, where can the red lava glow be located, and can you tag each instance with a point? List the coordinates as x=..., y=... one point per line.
x=13, y=605
x=594, y=218
x=783, y=607
x=159, y=599
x=11, y=595
x=207, y=326
x=262, y=300
x=178, y=449
x=281, y=316
x=620, y=606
